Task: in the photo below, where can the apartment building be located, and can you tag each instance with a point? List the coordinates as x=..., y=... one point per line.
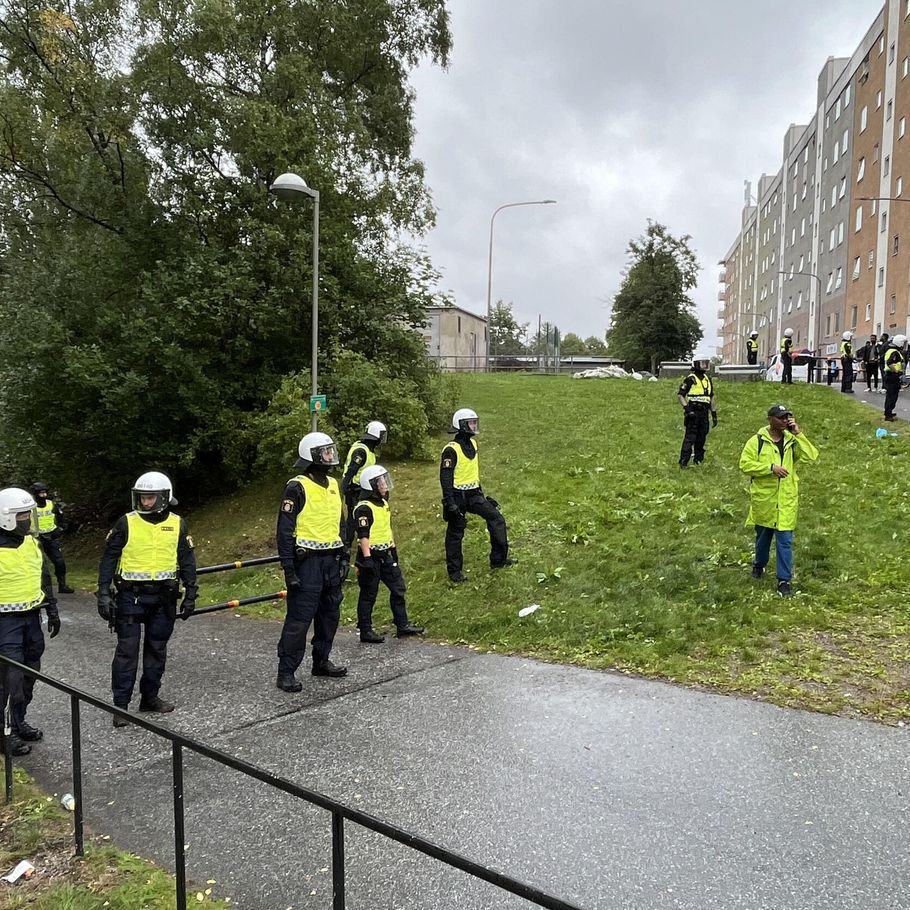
x=825, y=244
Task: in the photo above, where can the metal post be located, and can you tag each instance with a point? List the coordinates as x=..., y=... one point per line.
x=77, y=774
x=7, y=733
x=315, y=316
x=337, y=861
x=179, y=835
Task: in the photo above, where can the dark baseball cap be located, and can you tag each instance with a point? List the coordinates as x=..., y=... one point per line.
x=779, y=410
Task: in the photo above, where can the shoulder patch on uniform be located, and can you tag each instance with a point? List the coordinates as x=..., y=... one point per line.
x=287, y=505
x=364, y=522
x=189, y=541
x=447, y=462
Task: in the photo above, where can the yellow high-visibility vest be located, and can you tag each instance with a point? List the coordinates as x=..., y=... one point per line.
x=150, y=553
x=894, y=360
x=701, y=390
x=467, y=470
x=370, y=460
x=381, y=529
x=319, y=521
x=20, y=577
x=47, y=522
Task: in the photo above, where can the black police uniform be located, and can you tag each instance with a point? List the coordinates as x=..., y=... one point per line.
x=152, y=604
x=786, y=357
x=696, y=419
x=381, y=567
x=351, y=491
x=22, y=640
x=846, y=362
x=456, y=504
x=313, y=578
x=50, y=543
x=752, y=351
x=894, y=357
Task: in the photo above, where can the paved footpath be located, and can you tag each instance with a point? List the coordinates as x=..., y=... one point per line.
x=608, y=791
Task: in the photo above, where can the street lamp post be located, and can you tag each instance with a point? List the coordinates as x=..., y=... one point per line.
x=292, y=188
x=508, y=205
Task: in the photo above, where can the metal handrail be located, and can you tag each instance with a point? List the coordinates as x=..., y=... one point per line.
x=339, y=811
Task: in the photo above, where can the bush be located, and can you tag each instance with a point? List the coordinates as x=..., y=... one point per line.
x=358, y=391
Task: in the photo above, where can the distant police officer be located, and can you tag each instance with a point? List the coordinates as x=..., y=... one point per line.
x=311, y=551
x=146, y=552
x=25, y=587
x=361, y=455
x=786, y=356
x=50, y=529
x=752, y=348
x=696, y=395
x=894, y=361
x=377, y=556
x=459, y=477
x=846, y=362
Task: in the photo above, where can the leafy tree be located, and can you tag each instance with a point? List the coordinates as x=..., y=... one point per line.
x=595, y=346
x=153, y=295
x=653, y=316
x=571, y=344
x=506, y=333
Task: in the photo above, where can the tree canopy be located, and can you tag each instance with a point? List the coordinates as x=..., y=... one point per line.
x=153, y=295
x=653, y=315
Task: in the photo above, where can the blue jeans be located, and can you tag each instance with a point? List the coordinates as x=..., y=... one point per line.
x=784, y=546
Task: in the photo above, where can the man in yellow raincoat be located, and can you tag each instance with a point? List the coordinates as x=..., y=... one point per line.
x=770, y=458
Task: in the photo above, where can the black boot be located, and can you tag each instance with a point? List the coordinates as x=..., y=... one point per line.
x=117, y=722
x=63, y=587
x=327, y=668
x=371, y=637
x=155, y=705
x=29, y=733
x=287, y=682
x=410, y=629
x=17, y=747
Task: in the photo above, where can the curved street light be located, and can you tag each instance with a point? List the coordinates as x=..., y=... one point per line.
x=292, y=188
x=508, y=205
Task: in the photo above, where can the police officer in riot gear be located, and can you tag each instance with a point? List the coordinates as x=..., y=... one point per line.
x=377, y=557
x=362, y=454
x=696, y=395
x=786, y=357
x=752, y=348
x=894, y=363
x=50, y=529
x=25, y=587
x=459, y=477
x=310, y=528
x=145, y=554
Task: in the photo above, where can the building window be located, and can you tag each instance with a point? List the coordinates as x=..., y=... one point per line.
x=896, y=245
x=889, y=110
x=844, y=142
x=859, y=217
x=843, y=187
x=839, y=279
x=881, y=276
x=828, y=324
x=861, y=170
x=840, y=233
x=804, y=189
x=884, y=222
x=799, y=300
x=853, y=315
x=806, y=154
x=836, y=156
x=831, y=238
x=875, y=152
x=868, y=311
x=459, y=325
x=830, y=283
x=901, y=127
x=881, y=45
x=871, y=259
x=856, y=267
x=878, y=100
x=899, y=186
x=837, y=322
x=886, y=166
x=905, y=67
x=863, y=118
x=891, y=53
x=847, y=95
x=893, y=304
x=802, y=228
x=834, y=195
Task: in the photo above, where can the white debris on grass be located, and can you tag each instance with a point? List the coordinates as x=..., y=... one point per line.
x=610, y=372
x=527, y=611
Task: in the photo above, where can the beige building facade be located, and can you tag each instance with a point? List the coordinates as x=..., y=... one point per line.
x=824, y=245
x=456, y=338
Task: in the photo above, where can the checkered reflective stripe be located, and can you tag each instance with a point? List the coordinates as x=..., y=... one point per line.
x=20, y=607
x=148, y=576
x=381, y=547
x=315, y=545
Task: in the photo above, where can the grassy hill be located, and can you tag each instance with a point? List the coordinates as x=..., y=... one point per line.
x=635, y=564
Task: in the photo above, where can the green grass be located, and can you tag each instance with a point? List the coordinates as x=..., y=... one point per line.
x=35, y=827
x=636, y=565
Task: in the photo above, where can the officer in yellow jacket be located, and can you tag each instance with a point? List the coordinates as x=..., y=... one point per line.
x=25, y=587
x=362, y=454
x=459, y=477
x=312, y=554
x=770, y=459
x=696, y=395
x=50, y=529
x=752, y=348
x=377, y=557
x=146, y=554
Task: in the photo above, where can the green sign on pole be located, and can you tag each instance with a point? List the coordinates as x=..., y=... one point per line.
x=318, y=404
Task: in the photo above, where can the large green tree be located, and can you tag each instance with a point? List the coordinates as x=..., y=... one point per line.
x=153, y=295
x=506, y=333
x=653, y=315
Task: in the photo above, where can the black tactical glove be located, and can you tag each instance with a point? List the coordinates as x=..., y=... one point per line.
x=105, y=606
x=291, y=580
x=714, y=418
x=188, y=605
x=53, y=621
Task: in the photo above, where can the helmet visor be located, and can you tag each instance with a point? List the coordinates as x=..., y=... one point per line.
x=325, y=455
x=382, y=484
x=150, y=502
x=27, y=522
x=469, y=425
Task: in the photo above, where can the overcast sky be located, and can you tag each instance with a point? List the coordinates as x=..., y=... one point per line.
x=621, y=111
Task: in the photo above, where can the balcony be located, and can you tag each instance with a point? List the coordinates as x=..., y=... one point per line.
x=722, y=277
x=722, y=296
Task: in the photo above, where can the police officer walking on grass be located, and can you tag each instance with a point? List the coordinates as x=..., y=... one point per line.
x=696, y=395
x=50, y=530
x=310, y=528
x=145, y=554
x=459, y=477
x=377, y=557
x=25, y=587
x=362, y=454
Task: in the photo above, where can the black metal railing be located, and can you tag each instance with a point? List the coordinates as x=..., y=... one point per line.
x=339, y=811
